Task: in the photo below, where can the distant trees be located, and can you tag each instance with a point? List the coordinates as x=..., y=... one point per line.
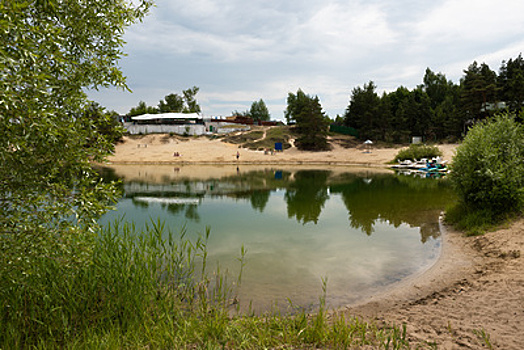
x=185, y=103
x=437, y=109
x=479, y=88
x=511, y=84
x=259, y=111
x=311, y=123
x=393, y=117
x=142, y=108
x=362, y=112
x=171, y=103
x=190, y=103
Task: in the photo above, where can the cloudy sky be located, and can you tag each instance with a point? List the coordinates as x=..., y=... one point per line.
x=239, y=51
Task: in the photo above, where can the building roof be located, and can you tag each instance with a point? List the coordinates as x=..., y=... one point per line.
x=167, y=116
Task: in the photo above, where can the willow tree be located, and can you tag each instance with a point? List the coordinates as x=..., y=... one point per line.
x=52, y=51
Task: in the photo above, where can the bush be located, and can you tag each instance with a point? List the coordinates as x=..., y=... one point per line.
x=488, y=168
x=414, y=152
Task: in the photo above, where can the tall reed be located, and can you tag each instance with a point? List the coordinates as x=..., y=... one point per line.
x=152, y=289
x=131, y=279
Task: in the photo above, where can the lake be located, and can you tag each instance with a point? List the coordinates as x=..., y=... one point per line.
x=360, y=229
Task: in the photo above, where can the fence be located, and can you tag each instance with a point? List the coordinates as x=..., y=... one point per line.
x=343, y=130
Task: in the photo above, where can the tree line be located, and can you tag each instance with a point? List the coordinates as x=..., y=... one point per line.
x=172, y=103
x=187, y=103
x=438, y=109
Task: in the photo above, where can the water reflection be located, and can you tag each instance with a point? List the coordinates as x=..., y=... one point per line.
x=362, y=229
x=368, y=197
x=306, y=195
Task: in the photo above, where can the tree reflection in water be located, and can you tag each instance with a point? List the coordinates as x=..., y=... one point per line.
x=396, y=199
x=365, y=231
x=368, y=198
x=307, y=195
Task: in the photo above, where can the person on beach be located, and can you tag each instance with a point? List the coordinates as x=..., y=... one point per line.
x=238, y=155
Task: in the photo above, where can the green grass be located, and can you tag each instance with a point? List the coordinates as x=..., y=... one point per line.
x=276, y=134
x=152, y=289
x=477, y=221
x=244, y=137
x=255, y=140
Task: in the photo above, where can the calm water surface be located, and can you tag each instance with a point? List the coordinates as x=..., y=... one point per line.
x=361, y=230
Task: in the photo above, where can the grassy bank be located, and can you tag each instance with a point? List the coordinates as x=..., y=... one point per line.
x=152, y=289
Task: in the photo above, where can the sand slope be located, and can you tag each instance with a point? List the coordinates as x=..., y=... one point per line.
x=160, y=149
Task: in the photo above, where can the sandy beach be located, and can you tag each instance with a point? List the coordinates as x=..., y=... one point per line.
x=161, y=149
x=472, y=296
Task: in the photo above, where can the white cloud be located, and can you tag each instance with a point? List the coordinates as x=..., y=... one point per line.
x=241, y=51
x=472, y=20
x=350, y=30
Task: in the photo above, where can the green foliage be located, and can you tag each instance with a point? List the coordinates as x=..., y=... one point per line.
x=362, y=111
x=50, y=196
x=437, y=109
x=132, y=279
x=473, y=222
x=142, y=108
x=244, y=137
x=172, y=103
x=479, y=87
x=488, y=168
x=511, y=84
x=191, y=104
x=106, y=125
x=417, y=152
x=255, y=139
x=340, y=129
x=244, y=114
x=273, y=135
x=259, y=111
x=311, y=123
x=484, y=337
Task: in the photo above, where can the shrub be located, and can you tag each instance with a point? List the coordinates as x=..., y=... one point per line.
x=414, y=152
x=472, y=222
x=488, y=167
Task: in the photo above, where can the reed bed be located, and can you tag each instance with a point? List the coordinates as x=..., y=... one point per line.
x=152, y=289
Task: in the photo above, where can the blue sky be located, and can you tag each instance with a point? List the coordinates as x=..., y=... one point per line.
x=239, y=51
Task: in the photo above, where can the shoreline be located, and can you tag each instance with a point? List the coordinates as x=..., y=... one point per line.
x=269, y=163
x=475, y=287
x=453, y=261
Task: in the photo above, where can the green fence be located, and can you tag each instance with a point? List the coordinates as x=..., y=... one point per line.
x=343, y=130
